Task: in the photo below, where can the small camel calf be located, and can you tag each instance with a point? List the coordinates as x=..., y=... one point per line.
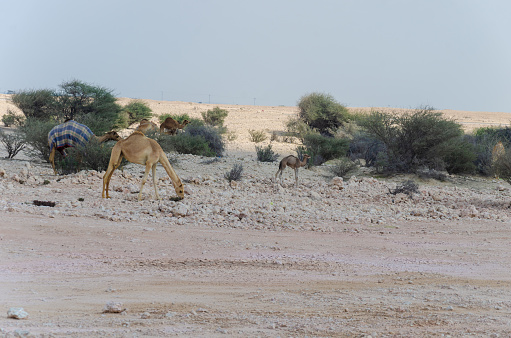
x=294, y=162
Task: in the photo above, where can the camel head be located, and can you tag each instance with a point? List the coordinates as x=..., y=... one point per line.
x=185, y=122
x=180, y=191
x=112, y=135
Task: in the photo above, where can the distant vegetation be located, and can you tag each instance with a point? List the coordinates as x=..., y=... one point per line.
x=420, y=141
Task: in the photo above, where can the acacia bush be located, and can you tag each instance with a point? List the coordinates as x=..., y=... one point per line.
x=74, y=100
x=323, y=148
x=421, y=138
x=322, y=112
x=134, y=111
x=35, y=133
x=12, y=119
x=38, y=104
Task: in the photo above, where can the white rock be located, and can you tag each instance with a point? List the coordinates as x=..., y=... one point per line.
x=114, y=307
x=17, y=313
x=180, y=210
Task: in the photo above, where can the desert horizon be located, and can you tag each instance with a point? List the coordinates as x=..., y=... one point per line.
x=273, y=117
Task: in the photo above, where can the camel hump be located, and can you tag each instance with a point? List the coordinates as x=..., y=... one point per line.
x=69, y=134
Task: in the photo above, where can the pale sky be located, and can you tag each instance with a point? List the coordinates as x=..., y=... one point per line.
x=448, y=54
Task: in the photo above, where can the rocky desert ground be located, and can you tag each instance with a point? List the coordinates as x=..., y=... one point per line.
x=331, y=258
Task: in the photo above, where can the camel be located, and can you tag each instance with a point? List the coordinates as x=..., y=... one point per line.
x=294, y=162
x=72, y=134
x=172, y=125
x=498, y=152
x=137, y=148
x=497, y=156
x=146, y=125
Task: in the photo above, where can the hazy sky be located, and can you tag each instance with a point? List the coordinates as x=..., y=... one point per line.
x=449, y=54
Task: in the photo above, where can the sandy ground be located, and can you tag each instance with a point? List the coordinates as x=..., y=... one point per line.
x=330, y=258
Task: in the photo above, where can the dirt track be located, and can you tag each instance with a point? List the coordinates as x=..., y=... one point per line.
x=414, y=280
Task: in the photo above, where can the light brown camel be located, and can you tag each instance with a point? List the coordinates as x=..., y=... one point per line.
x=146, y=125
x=72, y=134
x=497, y=156
x=172, y=125
x=137, y=148
x=293, y=162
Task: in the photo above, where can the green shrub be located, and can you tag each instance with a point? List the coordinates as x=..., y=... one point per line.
x=37, y=104
x=502, y=165
x=322, y=112
x=12, y=119
x=185, y=143
x=297, y=128
x=215, y=117
x=366, y=148
x=323, y=148
x=266, y=154
x=180, y=118
x=137, y=110
x=483, y=141
x=35, y=133
x=417, y=139
x=257, y=136
x=91, y=156
x=342, y=167
x=458, y=156
x=14, y=143
x=215, y=142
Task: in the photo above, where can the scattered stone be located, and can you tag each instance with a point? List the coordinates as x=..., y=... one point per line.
x=180, y=210
x=21, y=333
x=114, y=307
x=17, y=313
x=145, y=315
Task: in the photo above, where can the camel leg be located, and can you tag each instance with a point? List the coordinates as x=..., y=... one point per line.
x=115, y=162
x=144, y=179
x=296, y=177
x=52, y=160
x=154, y=182
x=277, y=176
x=178, y=186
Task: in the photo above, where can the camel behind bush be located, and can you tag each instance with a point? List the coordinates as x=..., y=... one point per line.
x=137, y=148
x=172, y=126
x=72, y=134
x=147, y=126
